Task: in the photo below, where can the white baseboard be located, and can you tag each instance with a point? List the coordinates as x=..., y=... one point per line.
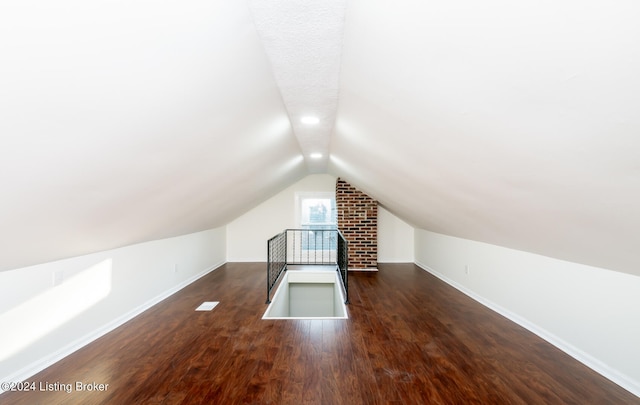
x=247, y=260
x=395, y=261
x=26, y=372
x=372, y=269
x=593, y=363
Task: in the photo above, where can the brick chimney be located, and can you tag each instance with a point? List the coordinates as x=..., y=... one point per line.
x=358, y=222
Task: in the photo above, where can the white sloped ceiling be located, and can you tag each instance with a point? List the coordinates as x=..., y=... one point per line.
x=303, y=40
x=122, y=122
x=512, y=123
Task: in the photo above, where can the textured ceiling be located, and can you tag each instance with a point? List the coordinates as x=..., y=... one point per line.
x=303, y=41
x=513, y=123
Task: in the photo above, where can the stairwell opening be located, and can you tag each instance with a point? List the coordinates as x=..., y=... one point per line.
x=308, y=294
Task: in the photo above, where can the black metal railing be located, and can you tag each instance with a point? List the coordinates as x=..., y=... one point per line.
x=306, y=247
x=276, y=260
x=311, y=246
x=343, y=263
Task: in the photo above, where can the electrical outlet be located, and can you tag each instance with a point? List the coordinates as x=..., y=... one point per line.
x=175, y=268
x=466, y=269
x=58, y=277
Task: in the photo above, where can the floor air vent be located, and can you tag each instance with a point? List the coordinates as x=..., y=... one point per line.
x=207, y=306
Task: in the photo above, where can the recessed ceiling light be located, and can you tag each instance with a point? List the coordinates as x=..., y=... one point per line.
x=310, y=120
x=315, y=155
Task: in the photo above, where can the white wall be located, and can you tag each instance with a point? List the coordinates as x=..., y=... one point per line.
x=42, y=323
x=247, y=235
x=591, y=313
x=395, y=239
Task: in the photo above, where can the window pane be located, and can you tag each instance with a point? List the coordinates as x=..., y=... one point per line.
x=317, y=212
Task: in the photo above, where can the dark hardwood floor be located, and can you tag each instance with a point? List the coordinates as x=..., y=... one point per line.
x=410, y=339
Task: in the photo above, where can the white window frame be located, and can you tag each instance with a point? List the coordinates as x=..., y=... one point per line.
x=300, y=196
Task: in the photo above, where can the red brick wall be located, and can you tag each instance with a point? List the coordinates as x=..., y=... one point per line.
x=358, y=222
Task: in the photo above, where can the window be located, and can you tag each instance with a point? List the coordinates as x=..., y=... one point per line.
x=317, y=211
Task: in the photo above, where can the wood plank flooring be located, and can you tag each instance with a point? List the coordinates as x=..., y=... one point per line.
x=410, y=339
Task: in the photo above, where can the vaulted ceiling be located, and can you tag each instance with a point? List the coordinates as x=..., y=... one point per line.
x=512, y=123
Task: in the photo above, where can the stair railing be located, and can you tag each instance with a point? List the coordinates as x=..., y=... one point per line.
x=343, y=263
x=276, y=260
x=306, y=247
